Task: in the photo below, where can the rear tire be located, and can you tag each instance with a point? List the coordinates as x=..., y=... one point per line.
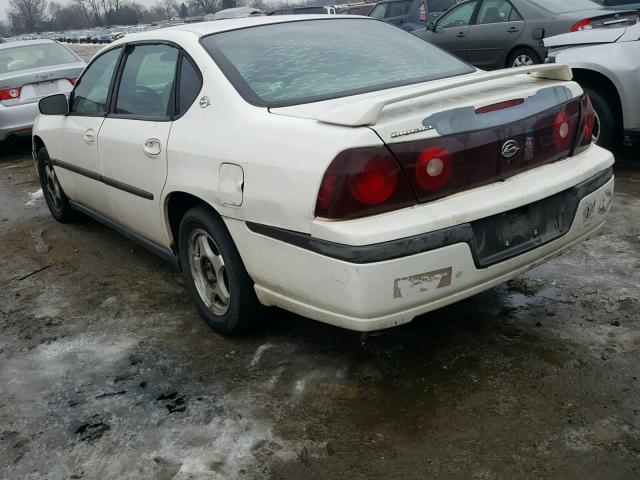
x=215, y=275
x=523, y=56
x=606, y=131
x=56, y=199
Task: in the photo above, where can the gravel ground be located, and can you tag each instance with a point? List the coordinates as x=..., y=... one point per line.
x=108, y=372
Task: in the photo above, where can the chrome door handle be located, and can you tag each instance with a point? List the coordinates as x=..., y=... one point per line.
x=152, y=147
x=90, y=135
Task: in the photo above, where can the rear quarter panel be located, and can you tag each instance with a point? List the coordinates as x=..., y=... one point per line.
x=283, y=158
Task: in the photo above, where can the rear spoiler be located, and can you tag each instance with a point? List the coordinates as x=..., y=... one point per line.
x=366, y=111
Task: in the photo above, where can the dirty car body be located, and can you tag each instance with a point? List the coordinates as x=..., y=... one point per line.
x=30, y=70
x=356, y=192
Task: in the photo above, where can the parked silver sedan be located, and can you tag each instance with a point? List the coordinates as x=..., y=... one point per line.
x=606, y=64
x=30, y=70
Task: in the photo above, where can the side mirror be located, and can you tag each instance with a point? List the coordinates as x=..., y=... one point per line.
x=431, y=27
x=54, y=105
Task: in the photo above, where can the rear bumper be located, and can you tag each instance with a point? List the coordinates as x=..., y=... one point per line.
x=17, y=120
x=392, y=290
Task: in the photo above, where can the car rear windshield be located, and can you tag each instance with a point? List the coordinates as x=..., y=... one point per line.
x=34, y=56
x=305, y=61
x=564, y=6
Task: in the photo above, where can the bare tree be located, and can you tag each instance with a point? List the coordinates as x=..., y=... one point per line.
x=27, y=15
x=207, y=6
x=169, y=8
x=91, y=9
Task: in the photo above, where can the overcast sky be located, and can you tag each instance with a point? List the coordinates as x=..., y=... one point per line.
x=4, y=5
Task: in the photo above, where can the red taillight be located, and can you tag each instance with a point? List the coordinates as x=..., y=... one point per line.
x=363, y=181
x=564, y=126
x=10, y=93
x=584, y=24
x=587, y=124
x=376, y=183
x=433, y=168
x=72, y=80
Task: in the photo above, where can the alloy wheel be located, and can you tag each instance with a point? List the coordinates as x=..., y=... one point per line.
x=522, y=60
x=52, y=186
x=208, y=272
x=595, y=134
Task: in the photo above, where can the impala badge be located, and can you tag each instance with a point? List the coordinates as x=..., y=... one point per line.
x=509, y=148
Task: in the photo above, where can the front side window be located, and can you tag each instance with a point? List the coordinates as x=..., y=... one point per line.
x=459, y=16
x=495, y=11
x=35, y=55
x=90, y=96
x=299, y=62
x=146, y=84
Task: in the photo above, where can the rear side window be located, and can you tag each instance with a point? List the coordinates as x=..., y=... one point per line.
x=146, y=84
x=496, y=11
x=299, y=62
x=90, y=96
x=189, y=84
x=37, y=55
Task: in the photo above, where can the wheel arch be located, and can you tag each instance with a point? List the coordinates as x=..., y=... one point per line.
x=603, y=84
x=38, y=143
x=176, y=204
x=519, y=46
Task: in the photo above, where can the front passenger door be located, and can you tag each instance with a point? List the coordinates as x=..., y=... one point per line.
x=133, y=139
x=78, y=167
x=452, y=29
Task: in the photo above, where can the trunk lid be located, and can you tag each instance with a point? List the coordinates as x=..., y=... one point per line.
x=34, y=84
x=465, y=132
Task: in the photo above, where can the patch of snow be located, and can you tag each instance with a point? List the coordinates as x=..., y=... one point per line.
x=34, y=197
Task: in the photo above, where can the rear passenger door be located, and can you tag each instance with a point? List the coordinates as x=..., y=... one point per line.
x=497, y=28
x=132, y=143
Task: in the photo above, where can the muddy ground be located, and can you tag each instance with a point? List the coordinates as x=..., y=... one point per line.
x=106, y=370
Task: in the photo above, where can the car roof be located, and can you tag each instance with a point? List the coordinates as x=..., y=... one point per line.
x=23, y=43
x=225, y=24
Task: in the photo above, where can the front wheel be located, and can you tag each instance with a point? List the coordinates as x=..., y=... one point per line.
x=55, y=197
x=522, y=57
x=214, y=273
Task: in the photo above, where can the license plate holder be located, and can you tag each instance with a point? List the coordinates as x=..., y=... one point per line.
x=516, y=231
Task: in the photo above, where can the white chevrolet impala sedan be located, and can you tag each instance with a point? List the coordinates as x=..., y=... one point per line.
x=339, y=168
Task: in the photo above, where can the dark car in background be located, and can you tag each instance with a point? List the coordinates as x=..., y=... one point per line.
x=410, y=14
x=494, y=34
x=2, y=40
